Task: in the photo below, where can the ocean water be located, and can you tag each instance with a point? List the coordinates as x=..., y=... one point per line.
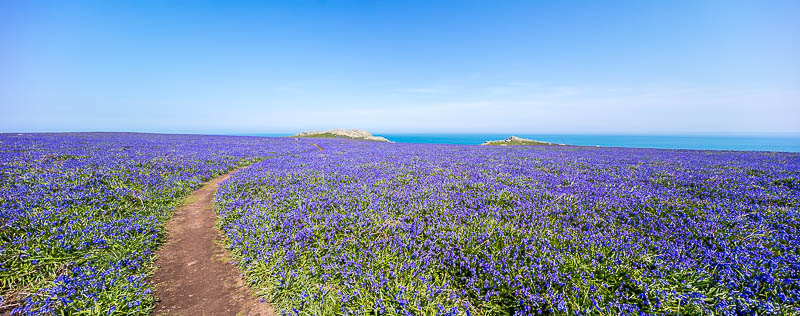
x=785, y=143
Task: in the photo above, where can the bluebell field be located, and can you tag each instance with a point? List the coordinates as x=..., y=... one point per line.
x=457, y=230
x=412, y=229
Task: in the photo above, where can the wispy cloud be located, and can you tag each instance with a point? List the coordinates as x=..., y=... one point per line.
x=555, y=108
x=511, y=88
x=422, y=90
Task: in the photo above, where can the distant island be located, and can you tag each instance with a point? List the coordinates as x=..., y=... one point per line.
x=343, y=133
x=517, y=141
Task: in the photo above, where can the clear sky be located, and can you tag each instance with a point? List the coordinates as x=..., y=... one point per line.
x=400, y=66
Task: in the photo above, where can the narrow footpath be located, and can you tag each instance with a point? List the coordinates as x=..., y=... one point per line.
x=194, y=274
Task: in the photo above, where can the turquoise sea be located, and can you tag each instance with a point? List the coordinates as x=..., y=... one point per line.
x=786, y=143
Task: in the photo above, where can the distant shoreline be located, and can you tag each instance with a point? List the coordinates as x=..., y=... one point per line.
x=768, y=143
x=777, y=143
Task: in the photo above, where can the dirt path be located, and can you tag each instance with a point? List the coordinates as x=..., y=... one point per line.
x=194, y=275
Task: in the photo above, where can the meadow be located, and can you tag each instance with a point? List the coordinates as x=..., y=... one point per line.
x=469, y=230
x=351, y=227
x=82, y=214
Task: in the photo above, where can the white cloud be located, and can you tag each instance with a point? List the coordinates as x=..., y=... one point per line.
x=565, y=109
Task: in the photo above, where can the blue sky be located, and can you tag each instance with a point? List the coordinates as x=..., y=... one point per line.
x=398, y=66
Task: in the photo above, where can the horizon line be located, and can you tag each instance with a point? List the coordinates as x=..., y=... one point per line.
x=380, y=133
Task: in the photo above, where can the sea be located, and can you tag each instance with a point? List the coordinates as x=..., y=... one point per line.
x=779, y=143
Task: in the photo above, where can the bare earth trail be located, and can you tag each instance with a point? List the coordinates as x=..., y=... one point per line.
x=194, y=274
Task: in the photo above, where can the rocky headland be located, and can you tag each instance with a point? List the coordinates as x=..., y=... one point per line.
x=517, y=141
x=344, y=133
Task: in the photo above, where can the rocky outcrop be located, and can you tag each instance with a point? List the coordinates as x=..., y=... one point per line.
x=344, y=133
x=514, y=140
